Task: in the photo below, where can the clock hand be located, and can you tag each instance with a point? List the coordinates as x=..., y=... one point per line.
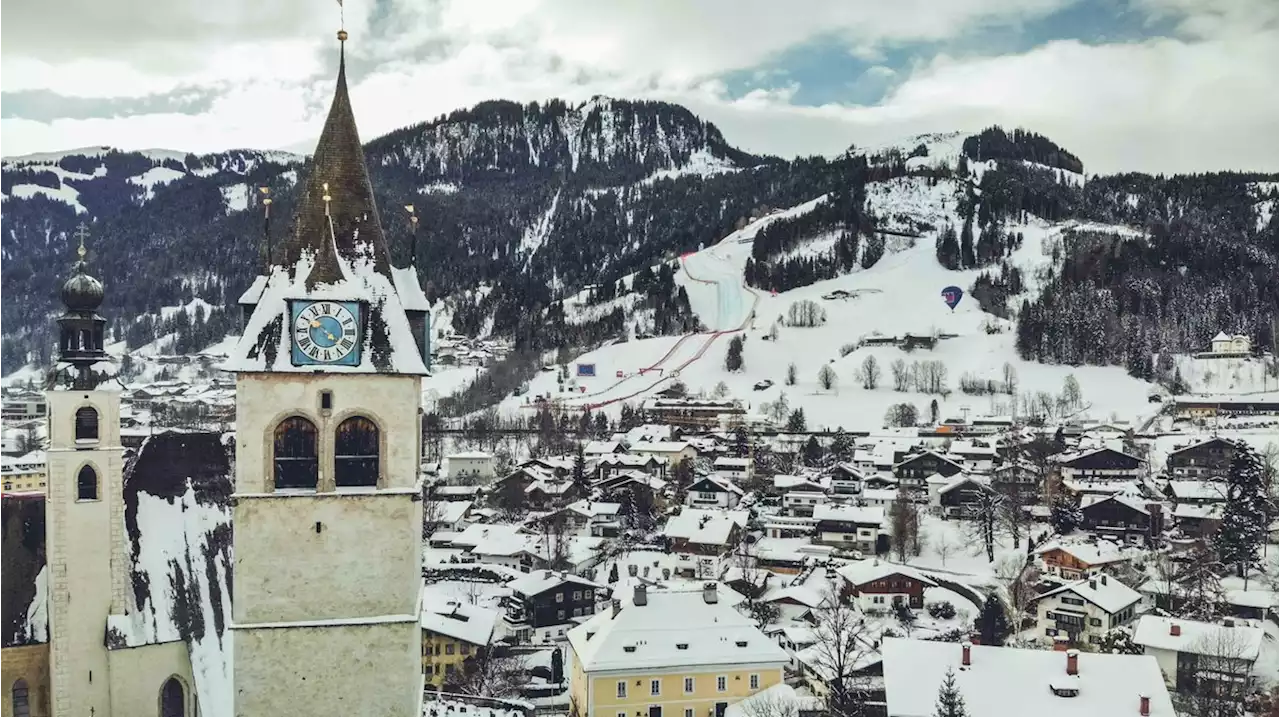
x=331, y=336
x=315, y=324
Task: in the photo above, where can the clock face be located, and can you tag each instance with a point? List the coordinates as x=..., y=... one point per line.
x=326, y=332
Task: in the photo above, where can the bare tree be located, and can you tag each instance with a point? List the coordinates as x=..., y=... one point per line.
x=753, y=583
x=842, y=641
x=770, y=705
x=827, y=378
x=721, y=390
x=984, y=523
x=933, y=377
x=779, y=409
x=1010, y=379
x=1222, y=673
x=491, y=672
x=1013, y=511
x=901, y=375
x=944, y=546
x=1070, y=392
x=869, y=373
x=791, y=374
x=903, y=522
x=1018, y=576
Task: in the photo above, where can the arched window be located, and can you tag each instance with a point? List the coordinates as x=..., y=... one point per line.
x=87, y=424
x=297, y=464
x=87, y=484
x=356, y=453
x=173, y=699
x=21, y=700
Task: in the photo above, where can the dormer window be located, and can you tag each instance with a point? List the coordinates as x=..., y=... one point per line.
x=628, y=648
x=742, y=643
x=682, y=645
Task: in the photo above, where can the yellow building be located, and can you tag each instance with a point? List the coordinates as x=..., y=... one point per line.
x=24, y=677
x=452, y=632
x=24, y=475
x=669, y=654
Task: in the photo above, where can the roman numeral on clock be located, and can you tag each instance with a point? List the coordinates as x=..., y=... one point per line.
x=347, y=344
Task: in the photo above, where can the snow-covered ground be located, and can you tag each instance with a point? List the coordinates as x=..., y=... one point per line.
x=1225, y=375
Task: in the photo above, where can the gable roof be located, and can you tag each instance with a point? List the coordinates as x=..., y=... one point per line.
x=863, y=515
x=1199, y=638
x=1007, y=681
x=1107, y=593
x=917, y=456
x=1068, y=458
x=453, y=618
x=715, y=484
x=540, y=581
x=960, y=479
x=1124, y=499
x=1092, y=554
x=705, y=527
x=673, y=628
x=862, y=572
x=1198, y=490
x=1201, y=444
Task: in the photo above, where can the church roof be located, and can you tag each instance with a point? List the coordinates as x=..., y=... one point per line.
x=336, y=251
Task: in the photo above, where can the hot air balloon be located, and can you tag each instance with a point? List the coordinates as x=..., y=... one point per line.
x=952, y=295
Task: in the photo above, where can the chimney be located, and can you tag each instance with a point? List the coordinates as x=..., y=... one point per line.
x=965, y=659
x=1175, y=629
x=1073, y=662
x=546, y=574
x=641, y=597
x=1144, y=705
x=709, y=594
x=1060, y=644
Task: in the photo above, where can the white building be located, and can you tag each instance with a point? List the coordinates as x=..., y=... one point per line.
x=670, y=452
x=472, y=467
x=326, y=606
x=1085, y=610
x=850, y=527
x=735, y=469
x=1000, y=681
x=713, y=491
x=1238, y=344
x=1187, y=650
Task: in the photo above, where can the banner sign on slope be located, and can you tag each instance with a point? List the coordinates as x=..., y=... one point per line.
x=587, y=370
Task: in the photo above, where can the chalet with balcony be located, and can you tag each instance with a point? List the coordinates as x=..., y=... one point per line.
x=1122, y=517
x=1101, y=464
x=1075, y=561
x=614, y=464
x=960, y=496
x=846, y=479
x=733, y=468
x=851, y=527
x=1206, y=460
x=884, y=586
x=1018, y=478
x=801, y=503
x=912, y=471
x=713, y=491
x=1085, y=610
x=545, y=604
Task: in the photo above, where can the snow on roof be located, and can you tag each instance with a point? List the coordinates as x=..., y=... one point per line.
x=1072, y=456
x=1122, y=498
x=724, y=484
x=659, y=446
x=1198, y=490
x=1211, y=511
x=674, y=629
x=625, y=459
x=1222, y=336
x=1099, y=553
x=448, y=511
x=388, y=344
x=786, y=482
x=960, y=479
x=1008, y=681
x=469, y=456
x=648, y=432
x=1107, y=593
x=705, y=527
x=1199, y=638
x=917, y=456
x=593, y=508
x=780, y=700
x=802, y=594
x=866, y=515
x=453, y=618
x=601, y=447
x=731, y=462
x=409, y=289
x=866, y=571
x=540, y=581
x=492, y=539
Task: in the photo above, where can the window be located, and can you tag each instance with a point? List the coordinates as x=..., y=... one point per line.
x=577, y=594
x=465, y=649
x=355, y=452
x=449, y=648
x=326, y=400
x=755, y=682
x=559, y=597
x=622, y=689
x=87, y=424
x=1095, y=622
x=1071, y=601
x=296, y=462
x=688, y=712
x=721, y=683
x=172, y=699
x=688, y=685
x=87, y=484
x=559, y=614
x=655, y=687
x=20, y=700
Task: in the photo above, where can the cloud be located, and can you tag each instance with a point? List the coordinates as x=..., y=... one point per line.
x=1204, y=99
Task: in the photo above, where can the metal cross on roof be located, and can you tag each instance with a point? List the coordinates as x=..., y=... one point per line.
x=82, y=233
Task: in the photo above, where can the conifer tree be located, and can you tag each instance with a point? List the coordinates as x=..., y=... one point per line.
x=992, y=623
x=1244, y=518
x=841, y=447
x=967, y=258
x=950, y=702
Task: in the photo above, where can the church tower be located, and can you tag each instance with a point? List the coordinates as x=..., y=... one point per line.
x=85, y=509
x=327, y=503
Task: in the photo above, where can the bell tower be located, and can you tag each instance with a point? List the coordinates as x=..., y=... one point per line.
x=327, y=503
x=85, y=515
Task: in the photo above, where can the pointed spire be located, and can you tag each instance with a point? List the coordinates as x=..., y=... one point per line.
x=346, y=225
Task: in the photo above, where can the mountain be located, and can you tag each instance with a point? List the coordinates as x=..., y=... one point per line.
x=560, y=225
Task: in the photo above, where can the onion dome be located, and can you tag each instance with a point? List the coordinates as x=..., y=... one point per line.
x=82, y=292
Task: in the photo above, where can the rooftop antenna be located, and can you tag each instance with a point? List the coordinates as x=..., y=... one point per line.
x=413, y=235
x=266, y=222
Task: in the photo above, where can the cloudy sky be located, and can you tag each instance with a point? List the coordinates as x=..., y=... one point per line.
x=1149, y=85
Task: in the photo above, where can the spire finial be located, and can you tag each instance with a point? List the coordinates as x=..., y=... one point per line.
x=82, y=233
x=327, y=198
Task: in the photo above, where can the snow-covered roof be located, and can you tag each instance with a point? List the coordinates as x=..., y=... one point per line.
x=593, y=508
x=960, y=479
x=705, y=527
x=625, y=459
x=448, y=511
x=1099, y=553
x=731, y=462
x=1198, y=490
x=780, y=700
x=802, y=594
x=1107, y=593
x=673, y=629
x=1222, y=336
x=865, y=571
x=453, y=618
x=1209, y=511
x=540, y=581
x=863, y=515
x=659, y=446
x=1010, y=682
x=1199, y=638
x=649, y=432
x=788, y=482
x=723, y=485
x=409, y=289
x=469, y=456
x=254, y=292
x=922, y=454
x=1126, y=499
x=593, y=448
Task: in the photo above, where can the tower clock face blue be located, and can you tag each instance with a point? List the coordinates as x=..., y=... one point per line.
x=326, y=333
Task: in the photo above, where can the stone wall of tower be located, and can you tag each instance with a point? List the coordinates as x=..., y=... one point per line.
x=327, y=583
x=87, y=571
